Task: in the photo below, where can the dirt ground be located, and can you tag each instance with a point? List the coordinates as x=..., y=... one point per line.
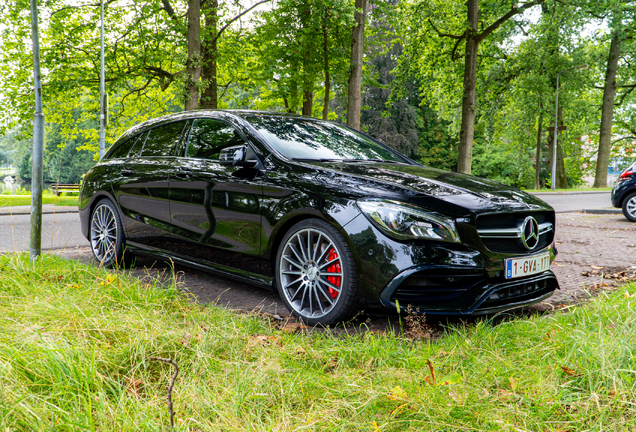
x=595, y=253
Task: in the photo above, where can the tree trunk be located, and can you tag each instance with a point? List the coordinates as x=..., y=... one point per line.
x=325, y=50
x=561, y=177
x=551, y=151
x=308, y=85
x=293, y=87
x=607, y=113
x=193, y=64
x=209, y=98
x=537, y=165
x=308, y=102
x=468, y=99
x=354, y=100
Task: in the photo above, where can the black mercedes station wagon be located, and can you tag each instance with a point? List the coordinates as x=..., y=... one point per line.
x=332, y=219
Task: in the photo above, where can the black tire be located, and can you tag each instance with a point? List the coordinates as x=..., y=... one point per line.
x=629, y=207
x=106, y=234
x=316, y=274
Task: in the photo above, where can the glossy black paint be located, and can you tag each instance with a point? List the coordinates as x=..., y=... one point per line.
x=231, y=219
x=622, y=188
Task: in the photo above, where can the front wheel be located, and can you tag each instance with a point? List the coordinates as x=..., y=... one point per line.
x=106, y=234
x=316, y=275
x=629, y=207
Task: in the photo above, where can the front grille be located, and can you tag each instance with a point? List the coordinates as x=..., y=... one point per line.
x=501, y=232
x=421, y=287
x=509, y=220
x=519, y=291
x=513, y=245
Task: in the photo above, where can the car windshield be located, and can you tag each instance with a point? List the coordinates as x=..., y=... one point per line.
x=311, y=139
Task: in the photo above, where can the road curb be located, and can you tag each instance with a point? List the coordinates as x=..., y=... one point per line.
x=44, y=212
x=603, y=211
x=569, y=193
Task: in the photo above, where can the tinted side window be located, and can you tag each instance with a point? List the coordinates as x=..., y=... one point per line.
x=163, y=140
x=208, y=137
x=122, y=150
x=135, y=150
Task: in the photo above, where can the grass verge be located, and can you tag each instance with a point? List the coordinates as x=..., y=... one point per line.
x=18, y=200
x=77, y=342
x=574, y=190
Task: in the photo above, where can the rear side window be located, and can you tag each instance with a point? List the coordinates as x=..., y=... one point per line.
x=208, y=137
x=122, y=151
x=135, y=150
x=163, y=140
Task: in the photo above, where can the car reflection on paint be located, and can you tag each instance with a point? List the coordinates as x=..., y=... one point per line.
x=333, y=220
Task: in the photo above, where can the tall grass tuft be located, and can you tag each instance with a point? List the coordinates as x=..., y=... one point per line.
x=77, y=341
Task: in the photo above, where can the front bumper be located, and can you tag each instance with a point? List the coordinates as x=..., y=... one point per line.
x=440, y=278
x=456, y=292
x=620, y=190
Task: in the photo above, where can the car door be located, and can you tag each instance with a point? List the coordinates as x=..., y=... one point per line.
x=215, y=208
x=142, y=189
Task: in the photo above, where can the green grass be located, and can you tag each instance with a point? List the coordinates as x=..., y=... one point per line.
x=18, y=200
x=77, y=341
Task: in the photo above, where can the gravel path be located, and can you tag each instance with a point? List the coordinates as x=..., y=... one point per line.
x=593, y=250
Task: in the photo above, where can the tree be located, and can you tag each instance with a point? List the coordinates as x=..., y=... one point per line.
x=442, y=20
x=299, y=44
x=355, y=72
x=148, y=69
x=193, y=64
x=393, y=120
x=621, y=26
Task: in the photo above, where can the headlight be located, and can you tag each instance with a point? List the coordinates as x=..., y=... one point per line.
x=404, y=221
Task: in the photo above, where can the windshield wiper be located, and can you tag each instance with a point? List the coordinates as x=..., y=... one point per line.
x=370, y=160
x=316, y=160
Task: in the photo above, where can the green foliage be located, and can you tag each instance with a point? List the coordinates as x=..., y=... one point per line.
x=272, y=58
x=437, y=145
x=13, y=146
x=288, y=41
x=63, y=162
x=24, y=169
x=143, y=43
x=17, y=192
x=24, y=198
x=505, y=165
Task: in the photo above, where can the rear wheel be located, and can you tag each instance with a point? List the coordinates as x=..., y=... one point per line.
x=106, y=234
x=629, y=207
x=316, y=275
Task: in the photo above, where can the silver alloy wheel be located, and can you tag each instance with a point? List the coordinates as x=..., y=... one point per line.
x=104, y=233
x=309, y=259
x=630, y=206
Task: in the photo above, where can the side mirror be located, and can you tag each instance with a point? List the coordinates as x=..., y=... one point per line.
x=241, y=156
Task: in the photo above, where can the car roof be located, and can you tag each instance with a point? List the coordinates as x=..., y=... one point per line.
x=185, y=115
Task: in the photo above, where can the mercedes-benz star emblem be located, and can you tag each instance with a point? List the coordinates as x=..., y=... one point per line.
x=530, y=233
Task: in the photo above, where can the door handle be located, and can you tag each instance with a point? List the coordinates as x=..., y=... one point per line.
x=127, y=172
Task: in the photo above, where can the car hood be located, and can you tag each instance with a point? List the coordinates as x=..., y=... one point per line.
x=470, y=192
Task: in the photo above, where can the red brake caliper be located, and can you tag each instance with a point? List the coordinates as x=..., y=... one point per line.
x=333, y=268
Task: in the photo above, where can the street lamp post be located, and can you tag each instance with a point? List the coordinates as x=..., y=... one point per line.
x=102, y=108
x=556, y=119
x=35, y=244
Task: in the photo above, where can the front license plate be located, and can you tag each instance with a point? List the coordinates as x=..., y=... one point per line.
x=517, y=267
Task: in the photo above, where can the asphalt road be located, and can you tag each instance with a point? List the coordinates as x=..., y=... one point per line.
x=572, y=202
x=60, y=230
